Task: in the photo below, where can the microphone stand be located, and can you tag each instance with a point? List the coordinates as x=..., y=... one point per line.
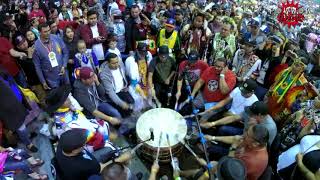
x=201, y=135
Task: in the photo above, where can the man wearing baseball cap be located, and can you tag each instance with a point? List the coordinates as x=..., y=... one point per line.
x=245, y=63
x=254, y=34
x=258, y=113
x=190, y=69
x=168, y=36
x=160, y=74
x=91, y=95
x=76, y=163
x=239, y=98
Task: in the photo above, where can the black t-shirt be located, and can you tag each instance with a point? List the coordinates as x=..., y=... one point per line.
x=161, y=70
x=79, y=167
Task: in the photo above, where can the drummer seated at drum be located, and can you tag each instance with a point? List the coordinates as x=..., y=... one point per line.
x=218, y=82
x=74, y=161
x=250, y=148
x=113, y=77
x=92, y=97
x=66, y=117
x=239, y=98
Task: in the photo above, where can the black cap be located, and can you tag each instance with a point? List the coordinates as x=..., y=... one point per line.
x=167, y=14
x=142, y=46
x=257, y=108
x=164, y=50
x=56, y=98
x=251, y=43
x=254, y=23
x=179, y=11
x=193, y=56
x=73, y=139
x=248, y=86
x=231, y=168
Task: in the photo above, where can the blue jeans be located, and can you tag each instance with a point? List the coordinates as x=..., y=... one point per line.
x=12, y=164
x=23, y=135
x=217, y=151
x=229, y=131
x=109, y=110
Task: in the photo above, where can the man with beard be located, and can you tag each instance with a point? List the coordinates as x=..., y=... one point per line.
x=131, y=27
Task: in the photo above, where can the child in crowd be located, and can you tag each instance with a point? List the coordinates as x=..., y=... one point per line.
x=112, y=46
x=85, y=57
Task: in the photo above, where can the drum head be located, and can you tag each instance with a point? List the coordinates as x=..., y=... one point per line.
x=162, y=120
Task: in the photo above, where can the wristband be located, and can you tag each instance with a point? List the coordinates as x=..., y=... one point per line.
x=221, y=75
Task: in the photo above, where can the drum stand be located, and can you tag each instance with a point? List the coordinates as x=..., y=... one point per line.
x=201, y=135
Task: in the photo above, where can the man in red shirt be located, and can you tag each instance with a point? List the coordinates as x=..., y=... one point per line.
x=218, y=82
x=7, y=61
x=190, y=70
x=251, y=149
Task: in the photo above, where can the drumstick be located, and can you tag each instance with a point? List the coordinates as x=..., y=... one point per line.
x=187, y=146
x=158, y=150
x=193, y=115
x=176, y=106
x=170, y=150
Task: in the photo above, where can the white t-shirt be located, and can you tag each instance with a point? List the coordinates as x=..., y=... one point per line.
x=97, y=48
x=118, y=79
x=239, y=102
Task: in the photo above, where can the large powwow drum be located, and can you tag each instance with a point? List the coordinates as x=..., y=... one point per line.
x=165, y=121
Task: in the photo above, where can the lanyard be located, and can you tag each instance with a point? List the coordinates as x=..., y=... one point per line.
x=48, y=47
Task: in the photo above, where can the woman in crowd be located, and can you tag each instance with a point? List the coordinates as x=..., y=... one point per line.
x=31, y=37
x=75, y=10
x=37, y=12
x=65, y=13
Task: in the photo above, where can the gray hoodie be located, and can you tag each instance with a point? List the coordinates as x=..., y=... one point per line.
x=108, y=82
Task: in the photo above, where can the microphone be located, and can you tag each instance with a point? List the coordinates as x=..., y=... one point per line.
x=151, y=134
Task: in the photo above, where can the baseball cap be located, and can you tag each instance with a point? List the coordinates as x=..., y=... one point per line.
x=73, y=139
x=250, y=42
x=276, y=39
x=85, y=73
x=19, y=40
x=142, y=46
x=254, y=23
x=257, y=108
x=171, y=23
x=248, y=86
x=164, y=50
x=193, y=56
x=231, y=168
x=178, y=11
